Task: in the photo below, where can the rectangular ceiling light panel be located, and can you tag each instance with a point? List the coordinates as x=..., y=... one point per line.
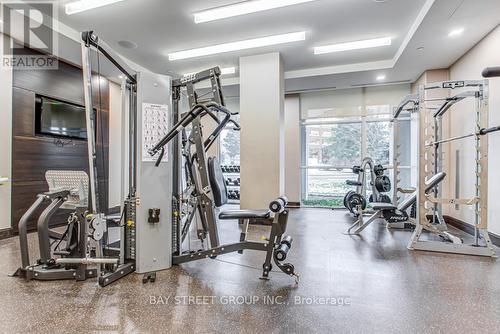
x=242, y=8
x=236, y=46
x=83, y=5
x=368, y=43
x=223, y=71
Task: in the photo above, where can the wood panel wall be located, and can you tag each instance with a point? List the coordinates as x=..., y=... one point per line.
x=33, y=155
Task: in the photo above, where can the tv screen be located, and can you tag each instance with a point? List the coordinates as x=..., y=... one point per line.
x=59, y=119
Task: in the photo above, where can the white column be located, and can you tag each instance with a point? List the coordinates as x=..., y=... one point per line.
x=262, y=134
x=5, y=140
x=292, y=148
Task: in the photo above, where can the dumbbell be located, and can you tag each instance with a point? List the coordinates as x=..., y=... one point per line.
x=237, y=194
x=228, y=181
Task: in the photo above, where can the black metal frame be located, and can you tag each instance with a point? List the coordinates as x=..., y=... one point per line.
x=46, y=268
x=127, y=265
x=197, y=173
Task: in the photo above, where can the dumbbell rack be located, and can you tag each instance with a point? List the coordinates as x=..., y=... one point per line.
x=232, y=179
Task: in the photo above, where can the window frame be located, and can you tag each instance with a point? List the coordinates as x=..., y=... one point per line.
x=363, y=119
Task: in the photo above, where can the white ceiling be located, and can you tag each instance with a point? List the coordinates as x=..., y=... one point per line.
x=159, y=27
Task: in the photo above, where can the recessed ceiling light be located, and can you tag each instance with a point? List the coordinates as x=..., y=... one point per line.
x=120, y=76
x=242, y=8
x=127, y=44
x=456, y=32
x=368, y=43
x=83, y=5
x=421, y=48
x=227, y=70
x=381, y=77
x=241, y=45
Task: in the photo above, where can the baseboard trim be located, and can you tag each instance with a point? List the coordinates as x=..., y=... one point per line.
x=469, y=229
x=6, y=233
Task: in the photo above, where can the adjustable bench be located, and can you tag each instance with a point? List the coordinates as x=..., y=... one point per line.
x=276, y=245
x=219, y=191
x=391, y=212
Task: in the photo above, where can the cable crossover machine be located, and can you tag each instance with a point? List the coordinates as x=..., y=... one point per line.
x=167, y=184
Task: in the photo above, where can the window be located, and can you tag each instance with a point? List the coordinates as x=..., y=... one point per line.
x=326, y=186
x=230, y=147
x=229, y=139
x=378, y=141
x=337, y=145
x=339, y=129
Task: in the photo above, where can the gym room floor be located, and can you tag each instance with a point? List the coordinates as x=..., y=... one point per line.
x=388, y=289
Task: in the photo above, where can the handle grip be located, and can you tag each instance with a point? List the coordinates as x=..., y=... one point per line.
x=489, y=130
x=490, y=72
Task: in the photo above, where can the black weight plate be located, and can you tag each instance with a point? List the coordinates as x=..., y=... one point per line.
x=383, y=183
x=345, y=197
x=378, y=170
x=355, y=199
x=385, y=199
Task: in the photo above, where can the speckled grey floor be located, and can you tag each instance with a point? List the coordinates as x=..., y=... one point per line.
x=388, y=288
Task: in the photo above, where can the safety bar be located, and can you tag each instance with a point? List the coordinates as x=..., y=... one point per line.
x=481, y=132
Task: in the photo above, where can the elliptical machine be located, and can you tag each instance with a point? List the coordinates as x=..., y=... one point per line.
x=355, y=200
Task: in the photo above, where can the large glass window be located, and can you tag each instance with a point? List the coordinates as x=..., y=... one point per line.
x=336, y=145
x=230, y=147
x=339, y=129
x=378, y=141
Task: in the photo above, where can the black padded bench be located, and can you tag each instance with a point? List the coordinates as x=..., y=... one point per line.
x=219, y=191
x=381, y=208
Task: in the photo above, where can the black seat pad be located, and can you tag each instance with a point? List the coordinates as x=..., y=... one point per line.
x=245, y=214
x=383, y=206
x=217, y=183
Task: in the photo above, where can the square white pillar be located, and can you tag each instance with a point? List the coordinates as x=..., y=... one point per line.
x=262, y=159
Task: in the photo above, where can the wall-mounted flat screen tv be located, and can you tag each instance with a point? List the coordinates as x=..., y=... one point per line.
x=59, y=119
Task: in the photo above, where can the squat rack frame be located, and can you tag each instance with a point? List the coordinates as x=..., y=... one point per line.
x=430, y=161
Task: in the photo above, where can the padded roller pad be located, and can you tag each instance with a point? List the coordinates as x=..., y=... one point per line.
x=245, y=214
x=383, y=206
